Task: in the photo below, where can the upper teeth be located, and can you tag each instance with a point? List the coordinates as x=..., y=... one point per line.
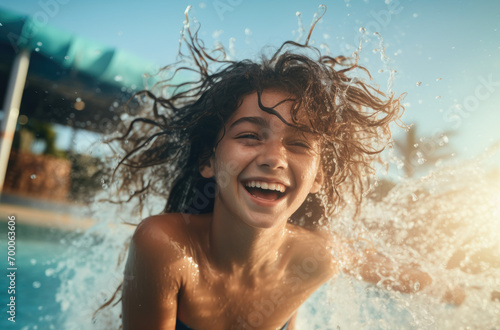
x=265, y=185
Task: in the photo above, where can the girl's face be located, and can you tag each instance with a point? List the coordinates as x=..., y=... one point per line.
x=263, y=168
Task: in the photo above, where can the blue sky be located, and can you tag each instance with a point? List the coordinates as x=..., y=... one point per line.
x=446, y=54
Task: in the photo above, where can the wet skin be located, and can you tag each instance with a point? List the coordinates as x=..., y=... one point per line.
x=259, y=147
x=243, y=266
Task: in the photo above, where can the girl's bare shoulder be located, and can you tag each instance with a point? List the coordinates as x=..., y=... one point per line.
x=169, y=235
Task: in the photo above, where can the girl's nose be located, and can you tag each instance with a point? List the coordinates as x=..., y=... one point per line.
x=273, y=155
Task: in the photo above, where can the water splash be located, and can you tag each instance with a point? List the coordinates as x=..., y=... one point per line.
x=316, y=18
x=300, y=29
x=325, y=49
x=89, y=271
x=385, y=60
x=356, y=54
x=448, y=223
x=232, y=49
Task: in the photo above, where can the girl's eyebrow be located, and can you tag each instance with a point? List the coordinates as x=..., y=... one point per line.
x=259, y=121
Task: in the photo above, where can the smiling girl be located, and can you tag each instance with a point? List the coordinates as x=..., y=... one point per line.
x=254, y=158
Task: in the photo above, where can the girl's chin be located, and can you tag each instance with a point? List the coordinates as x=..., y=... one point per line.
x=264, y=221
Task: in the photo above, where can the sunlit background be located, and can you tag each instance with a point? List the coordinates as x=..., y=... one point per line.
x=443, y=55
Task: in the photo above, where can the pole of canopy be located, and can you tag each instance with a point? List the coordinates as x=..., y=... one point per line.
x=11, y=107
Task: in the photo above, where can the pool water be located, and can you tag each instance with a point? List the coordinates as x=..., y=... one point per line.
x=37, y=251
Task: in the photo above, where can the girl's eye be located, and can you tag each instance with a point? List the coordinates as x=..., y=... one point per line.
x=300, y=144
x=248, y=136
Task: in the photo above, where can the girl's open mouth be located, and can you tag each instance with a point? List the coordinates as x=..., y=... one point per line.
x=264, y=190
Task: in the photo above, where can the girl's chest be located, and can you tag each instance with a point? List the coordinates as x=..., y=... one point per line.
x=218, y=301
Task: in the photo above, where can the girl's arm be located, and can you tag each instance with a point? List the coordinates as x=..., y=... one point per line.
x=151, y=280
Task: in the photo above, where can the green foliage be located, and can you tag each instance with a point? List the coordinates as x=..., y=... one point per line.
x=39, y=130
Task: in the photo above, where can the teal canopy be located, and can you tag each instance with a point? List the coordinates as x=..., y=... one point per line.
x=100, y=62
x=49, y=70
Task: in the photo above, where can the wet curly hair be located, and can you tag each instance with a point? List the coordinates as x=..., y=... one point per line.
x=179, y=125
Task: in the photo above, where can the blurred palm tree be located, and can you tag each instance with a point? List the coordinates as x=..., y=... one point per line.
x=423, y=153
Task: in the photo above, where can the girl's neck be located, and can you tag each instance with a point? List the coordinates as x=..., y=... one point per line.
x=236, y=246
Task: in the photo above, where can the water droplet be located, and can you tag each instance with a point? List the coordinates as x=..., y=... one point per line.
x=415, y=145
x=37, y=284
x=438, y=79
x=414, y=197
x=362, y=30
x=444, y=140
x=421, y=159
x=416, y=286
x=118, y=78
x=438, y=97
x=33, y=176
x=39, y=44
x=37, y=49
x=33, y=261
x=419, y=83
